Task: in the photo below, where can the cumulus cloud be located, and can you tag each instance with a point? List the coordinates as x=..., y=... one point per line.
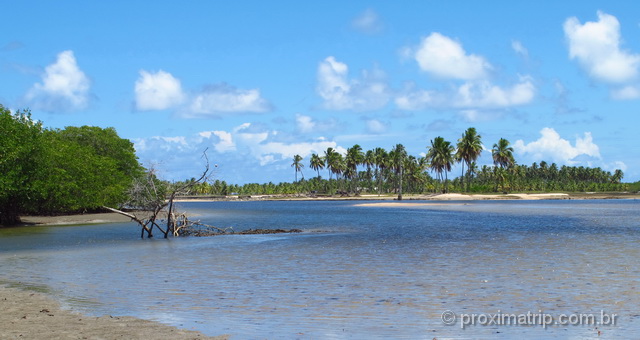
x=254, y=147
x=596, y=46
x=274, y=151
x=416, y=99
x=158, y=91
x=162, y=91
x=551, y=147
x=470, y=95
x=444, y=57
x=339, y=92
x=376, y=127
x=225, y=141
x=468, y=76
x=486, y=95
x=160, y=143
x=307, y=124
x=367, y=22
x=64, y=86
x=219, y=99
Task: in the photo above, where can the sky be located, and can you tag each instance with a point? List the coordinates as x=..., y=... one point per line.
x=256, y=82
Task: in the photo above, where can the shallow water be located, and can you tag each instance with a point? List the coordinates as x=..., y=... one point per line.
x=356, y=272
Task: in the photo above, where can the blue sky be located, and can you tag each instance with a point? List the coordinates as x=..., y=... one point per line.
x=257, y=82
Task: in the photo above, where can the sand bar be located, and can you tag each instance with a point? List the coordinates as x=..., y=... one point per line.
x=32, y=315
x=113, y=217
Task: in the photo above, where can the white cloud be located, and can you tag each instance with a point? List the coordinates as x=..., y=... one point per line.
x=413, y=100
x=519, y=48
x=274, y=151
x=162, y=91
x=617, y=165
x=444, y=57
x=223, y=98
x=64, y=86
x=469, y=88
x=225, y=142
x=367, y=22
x=371, y=92
x=246, y=146
x=306, y=124
x=596, y=46
x=159, y=143
x=551, y=147
x=475, y=116
x=486, y=95
x=158, y=91
x=376, y=127
x=470, y=95
x=626, y=93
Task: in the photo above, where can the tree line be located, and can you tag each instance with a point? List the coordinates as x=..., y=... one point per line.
x=396, y=172
x=53, y=171
x=81, y=169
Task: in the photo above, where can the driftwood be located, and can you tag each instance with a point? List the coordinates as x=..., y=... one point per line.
x=153, y=207
x=148, y=195
x=184, y=227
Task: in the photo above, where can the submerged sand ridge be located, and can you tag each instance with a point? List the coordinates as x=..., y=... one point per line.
x=32, y=315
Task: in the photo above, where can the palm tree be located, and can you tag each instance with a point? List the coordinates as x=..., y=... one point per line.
x=469, y=149
x=398, y=156
x=369, y=161
x=330, y=160
x=617, y=176
x=503, y=158
x=297, y=165
x=381, y=161
x=316, y=163
x=354, y=158
x=440, y=156
x=503, y=154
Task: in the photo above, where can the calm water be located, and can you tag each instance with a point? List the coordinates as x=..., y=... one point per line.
x=356, y=272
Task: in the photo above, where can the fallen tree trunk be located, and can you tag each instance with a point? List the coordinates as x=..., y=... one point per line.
x=185, y=227
x=148, y=195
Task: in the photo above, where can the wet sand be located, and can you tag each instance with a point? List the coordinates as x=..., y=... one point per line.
x=75, y=219
x=32, y=315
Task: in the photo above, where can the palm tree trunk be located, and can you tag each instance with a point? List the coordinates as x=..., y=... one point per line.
x=400, y=187
x=446, y=185
x=462, y=177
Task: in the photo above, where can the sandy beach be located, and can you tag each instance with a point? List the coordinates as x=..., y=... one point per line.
x=32, y=315
x=75, y=219
x=428, y=197
x=114, y=217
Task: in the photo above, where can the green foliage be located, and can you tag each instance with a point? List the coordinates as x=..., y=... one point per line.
x=46, y=171
x=634, y=187
x=20, y=151
x=84, y=168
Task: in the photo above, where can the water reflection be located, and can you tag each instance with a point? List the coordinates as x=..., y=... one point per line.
x=372, y=272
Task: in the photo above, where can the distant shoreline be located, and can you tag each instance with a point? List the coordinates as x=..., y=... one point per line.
x=116, y=218
x=409, y=197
